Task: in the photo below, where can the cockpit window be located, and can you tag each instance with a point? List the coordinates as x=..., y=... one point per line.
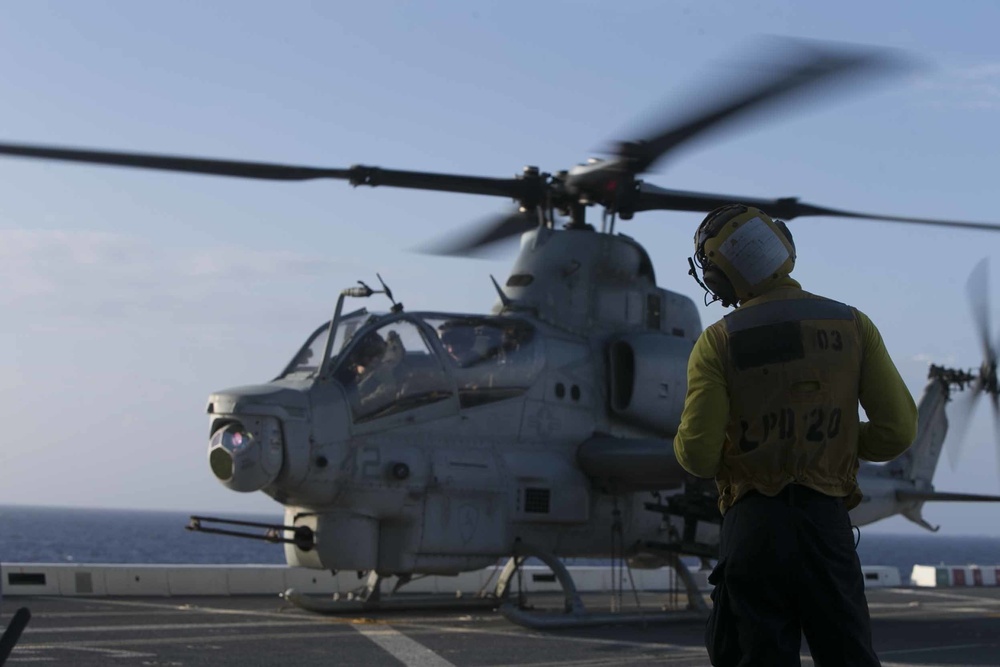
x=391, y=369
x=310, y=356
x=492, y=358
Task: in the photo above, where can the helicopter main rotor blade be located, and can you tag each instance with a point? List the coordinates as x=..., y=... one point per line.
x=515, y=188
x=485, y=234
x=239, y=169
x=652, y=198
x=814, y=68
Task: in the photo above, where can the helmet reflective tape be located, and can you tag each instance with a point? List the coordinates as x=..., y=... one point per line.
x=754, y=251
x=712, y=225
x=749, y=248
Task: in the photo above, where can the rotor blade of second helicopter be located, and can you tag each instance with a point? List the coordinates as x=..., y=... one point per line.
x=996, y=427
x=651, y=198
x=960, y=417
x=978, y=291
x=356, y=175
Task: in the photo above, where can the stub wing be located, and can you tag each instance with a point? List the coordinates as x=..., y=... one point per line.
x=913, y=513
x=945, y=496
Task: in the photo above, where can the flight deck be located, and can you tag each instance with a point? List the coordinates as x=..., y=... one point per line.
x=912, y=626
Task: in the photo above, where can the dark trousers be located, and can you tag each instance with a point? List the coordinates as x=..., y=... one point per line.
x=788, y=567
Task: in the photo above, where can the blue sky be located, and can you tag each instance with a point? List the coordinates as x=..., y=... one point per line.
x=128, y=296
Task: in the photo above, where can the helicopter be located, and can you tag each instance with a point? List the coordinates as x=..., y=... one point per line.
x=404, y=444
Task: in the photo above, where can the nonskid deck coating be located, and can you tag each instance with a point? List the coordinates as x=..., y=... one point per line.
x=912, y=626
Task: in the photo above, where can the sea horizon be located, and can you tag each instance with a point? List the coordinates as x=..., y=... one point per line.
x=57, y=534
x=872, y=529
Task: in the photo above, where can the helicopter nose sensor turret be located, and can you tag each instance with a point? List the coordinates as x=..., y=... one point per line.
x=246, y=456
x=250, y=429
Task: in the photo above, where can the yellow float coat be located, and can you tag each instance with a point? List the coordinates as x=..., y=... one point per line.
x=772, y=397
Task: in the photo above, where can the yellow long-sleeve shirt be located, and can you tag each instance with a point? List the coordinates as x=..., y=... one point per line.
x=888, y=404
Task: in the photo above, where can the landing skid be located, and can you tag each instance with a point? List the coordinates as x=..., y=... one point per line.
x=369, y=598
x=333, y=607
x=574, y=614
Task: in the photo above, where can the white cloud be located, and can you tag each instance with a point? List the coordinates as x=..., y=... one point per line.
x=974, y=87
x=34, y=263
x=925, y=358
x=244, y=262
x=103, y=270
x=119, y=291
x=988, y=71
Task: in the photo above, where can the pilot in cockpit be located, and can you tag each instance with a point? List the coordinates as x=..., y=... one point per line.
x=516, y=336
x=363, y=358
x=459, y=340
x=369, y=373
x=489, y=342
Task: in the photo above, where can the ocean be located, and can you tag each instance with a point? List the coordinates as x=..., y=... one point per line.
x=70, y=535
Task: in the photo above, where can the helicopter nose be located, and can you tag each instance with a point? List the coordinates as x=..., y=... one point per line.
x=246, y=455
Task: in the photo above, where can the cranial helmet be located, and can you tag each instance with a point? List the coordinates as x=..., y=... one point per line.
x=371, y=347
x=461, y=337
x=742, y=252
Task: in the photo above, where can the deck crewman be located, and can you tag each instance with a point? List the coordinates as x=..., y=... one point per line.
x=771, y=413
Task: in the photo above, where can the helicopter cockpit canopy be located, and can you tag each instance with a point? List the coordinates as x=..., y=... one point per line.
x=491, y=358
x=470, y=341
x=402, y=362
x=390, y=363
x=310, y=356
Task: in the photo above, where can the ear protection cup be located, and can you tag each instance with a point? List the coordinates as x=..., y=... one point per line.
x=719, y=285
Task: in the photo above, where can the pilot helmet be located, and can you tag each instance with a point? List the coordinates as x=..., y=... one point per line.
x=371, y=346
x=742, y=252
x=459, y=337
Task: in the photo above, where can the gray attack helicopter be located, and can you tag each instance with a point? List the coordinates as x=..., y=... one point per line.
x=431, y=443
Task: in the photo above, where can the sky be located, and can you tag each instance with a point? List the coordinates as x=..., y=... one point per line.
x=129, y=296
